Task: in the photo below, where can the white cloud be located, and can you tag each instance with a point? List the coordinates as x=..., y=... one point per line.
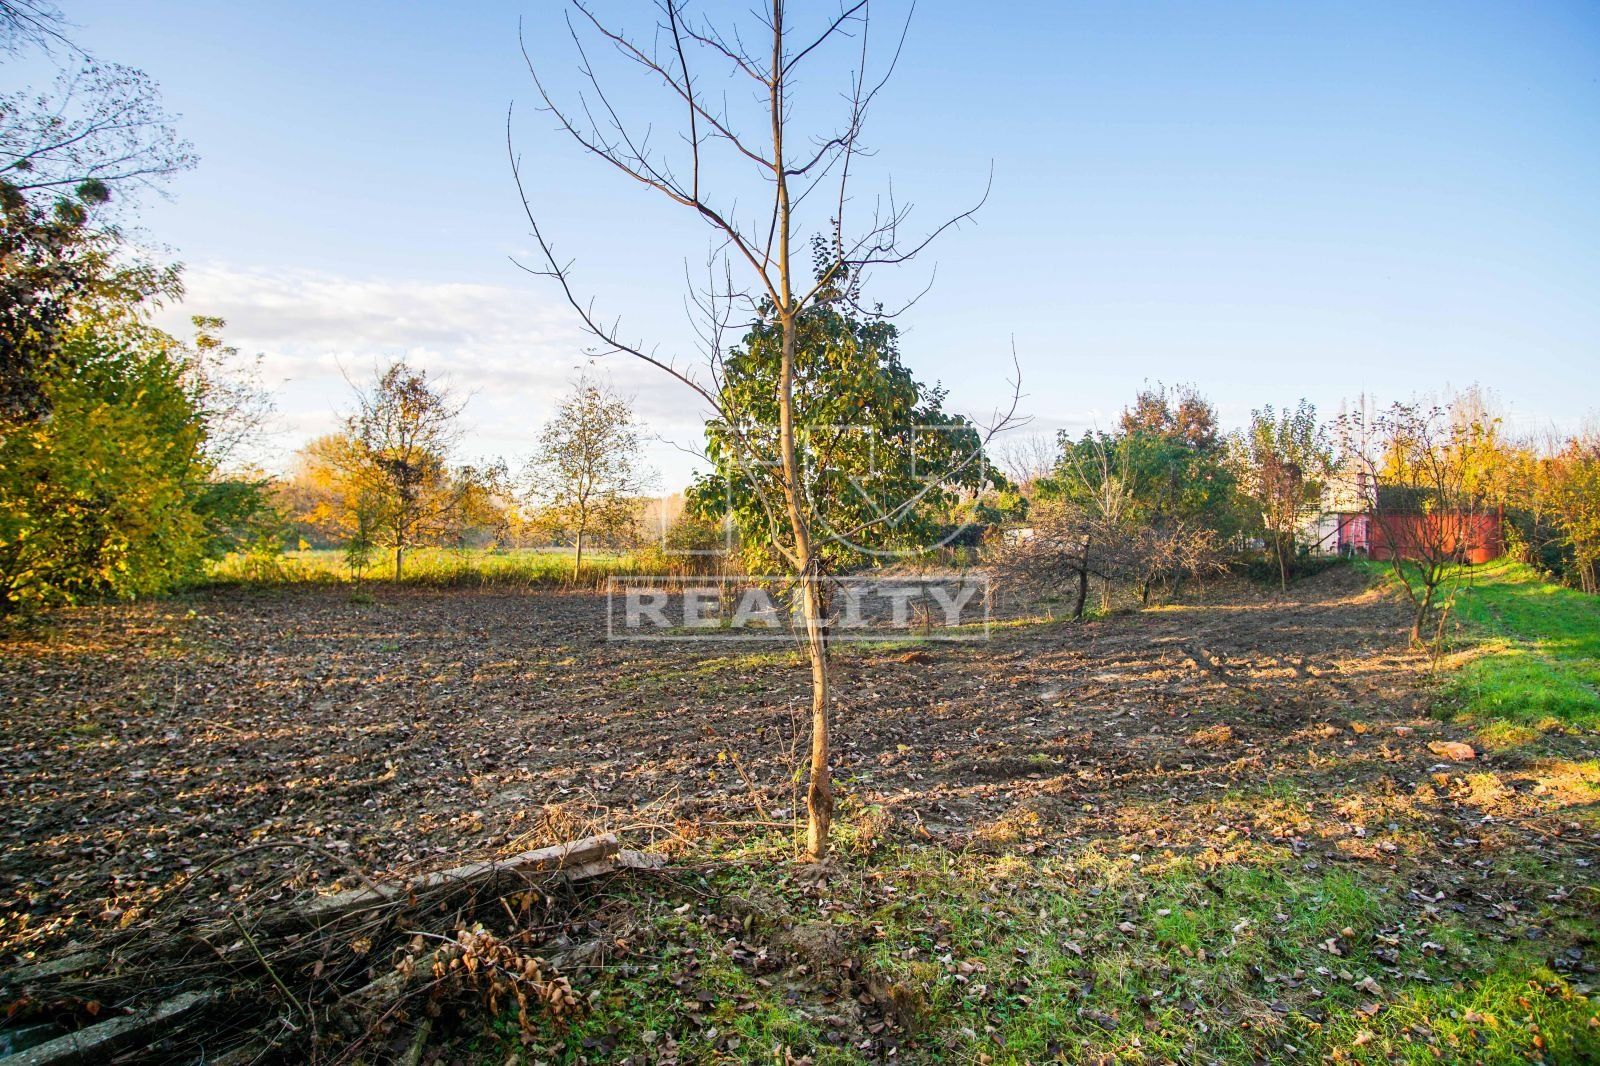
x=511, y=350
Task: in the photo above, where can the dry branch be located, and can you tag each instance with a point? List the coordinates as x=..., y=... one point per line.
x=282, y=955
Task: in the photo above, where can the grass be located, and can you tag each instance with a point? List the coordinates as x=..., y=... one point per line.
x=1098, y=955
x=1536, y=662
x=438, y=567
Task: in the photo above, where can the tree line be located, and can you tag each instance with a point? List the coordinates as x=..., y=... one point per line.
x=390, y=479
x=1166, y=496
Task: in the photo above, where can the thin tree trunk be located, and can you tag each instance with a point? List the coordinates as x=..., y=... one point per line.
x=1422, y=613
x=819, y=791
x=1283, y=566
x=1083, y=593
x=399, y=561
x=577, y=558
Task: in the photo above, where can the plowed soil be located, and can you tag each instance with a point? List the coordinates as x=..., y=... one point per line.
x=144, y=741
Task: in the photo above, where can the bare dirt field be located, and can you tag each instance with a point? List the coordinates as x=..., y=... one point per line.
x=142, y=742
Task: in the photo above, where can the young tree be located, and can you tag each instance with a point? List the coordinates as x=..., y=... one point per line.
x=400, y=438
x=793, y=173
x=587, y=473
x=1425, y=463
x=1281, y=461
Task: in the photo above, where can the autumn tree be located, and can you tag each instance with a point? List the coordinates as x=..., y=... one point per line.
x=743, y=167
x=1572, y=476
x=399, y=440
x=1178, y=413
x=1281, y=461
x=120, y=489
x=587, y=474
x=1426, y=464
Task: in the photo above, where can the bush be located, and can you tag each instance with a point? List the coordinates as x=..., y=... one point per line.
x=100, y=496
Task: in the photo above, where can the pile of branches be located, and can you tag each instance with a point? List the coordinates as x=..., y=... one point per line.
x=224, y=972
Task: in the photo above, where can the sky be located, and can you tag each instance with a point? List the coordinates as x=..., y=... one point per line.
x=1267, y=200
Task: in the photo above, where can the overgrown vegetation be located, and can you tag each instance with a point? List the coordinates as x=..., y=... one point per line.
x=1234, y=828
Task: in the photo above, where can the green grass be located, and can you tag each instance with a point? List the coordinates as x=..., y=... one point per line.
x=1095, y=955
x=1538, y=659
x=432, y=567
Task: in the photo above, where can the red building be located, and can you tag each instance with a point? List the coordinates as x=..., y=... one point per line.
x=1475, y=538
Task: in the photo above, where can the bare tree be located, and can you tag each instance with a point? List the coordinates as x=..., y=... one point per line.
x=1052, y=557
x=100, y=130
x=28, y=23
x=1029, y=457
x=587, y=468
x=792, y=176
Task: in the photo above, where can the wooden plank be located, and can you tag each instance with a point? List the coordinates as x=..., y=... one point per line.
x=541, y=860
x=99, y=1042
x=59, y=967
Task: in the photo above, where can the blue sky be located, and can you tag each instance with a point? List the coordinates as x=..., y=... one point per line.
x=1269, y=200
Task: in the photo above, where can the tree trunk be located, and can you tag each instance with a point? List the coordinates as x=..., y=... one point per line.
x=399, y=561
x=577, y=558
x=1283, y=566
x=1423, y=603
x=1083, y=593
x=819, y=793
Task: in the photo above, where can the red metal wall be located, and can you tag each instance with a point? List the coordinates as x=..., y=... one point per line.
x=1479, y=537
